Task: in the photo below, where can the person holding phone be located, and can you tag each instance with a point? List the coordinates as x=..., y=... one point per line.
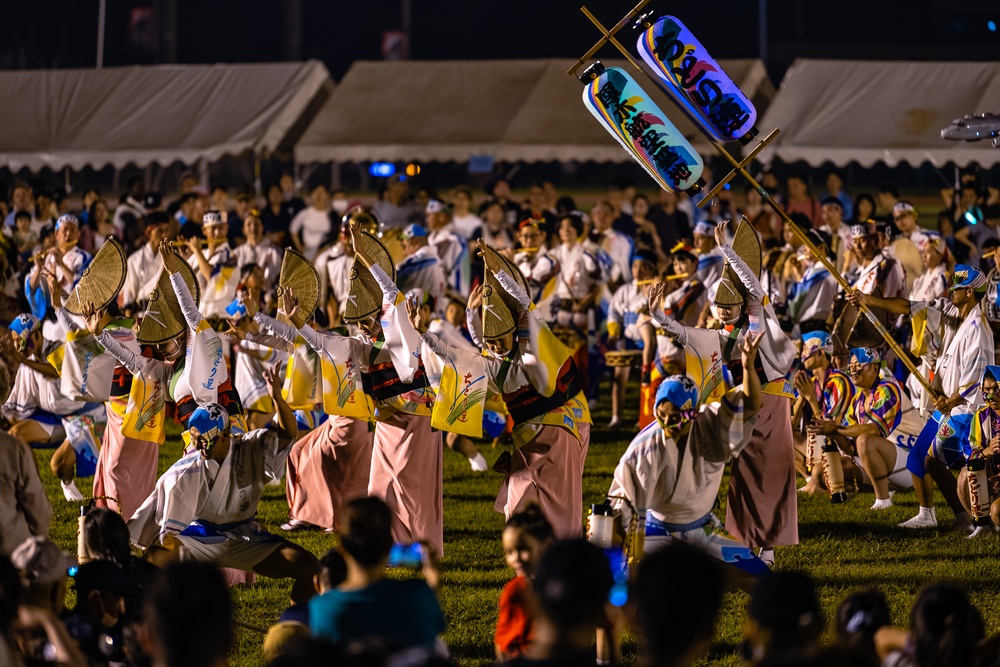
x=367, y=605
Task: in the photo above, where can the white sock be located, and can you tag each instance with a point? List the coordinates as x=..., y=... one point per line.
x=882, y=503
x=927, y=513
x=478, y=463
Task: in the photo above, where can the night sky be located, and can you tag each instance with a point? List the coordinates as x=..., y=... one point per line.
x=58, y=33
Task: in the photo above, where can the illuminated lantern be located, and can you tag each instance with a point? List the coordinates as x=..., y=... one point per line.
x=627, y=113
x=695, y=81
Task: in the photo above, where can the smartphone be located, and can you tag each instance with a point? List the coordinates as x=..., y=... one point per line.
x=406, y=555
x=618, y=595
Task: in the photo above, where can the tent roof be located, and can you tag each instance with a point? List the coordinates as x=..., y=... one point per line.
x=514, y=110
x=844, y=111
x=139, y=115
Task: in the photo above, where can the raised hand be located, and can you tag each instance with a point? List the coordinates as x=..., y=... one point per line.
x=748, y=346
x=55, y=287
x=415, y=315
x=272, y=376
x=250, y=301
x=475, y=298
x=655, y=296
x=720, y=232
x=168, y=257
x=289, y=303
x=94, y=318
x=802, y=383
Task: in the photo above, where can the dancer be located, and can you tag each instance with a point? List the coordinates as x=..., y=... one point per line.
x=543, y=396
x=762, y=507
x=672, y=470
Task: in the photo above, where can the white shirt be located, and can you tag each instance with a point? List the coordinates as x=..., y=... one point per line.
x=465, y=225
x=314, y=226
x=144, y=268
x=265, y=255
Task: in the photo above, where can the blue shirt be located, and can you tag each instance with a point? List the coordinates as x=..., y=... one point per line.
x=402, y=613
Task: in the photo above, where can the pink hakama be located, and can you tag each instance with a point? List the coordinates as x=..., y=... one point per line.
x=406, y=473
x=762, y=505
x=548, y=472
x=327, y=467
x=126, y=468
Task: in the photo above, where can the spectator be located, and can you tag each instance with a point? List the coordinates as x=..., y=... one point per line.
x=190, y=617
x=974, y=236
x=785, y=621
x=105, y=537
x=835, y=189
x=800, y=201
x=44, y=568
x=332, y=573
x=944, y=630
x=499, y=191
x=421, y=268
x=188, y=183
x=101, y=589
x=277, y=216
x=535, y=208
x=129, y=214
x=394, y=209
x=887, y=196
x=525, y=538
x=21, y=199
x=463, y=220
x=864, y=208
x=368, y=605
x=36, y=626
x=617, y=245
x=311, y=226
x=144, y=265
x=293, y=201
x=676, y=635
x=571, y=585
x=99, y=228
x=672, y=224
x=44, y=211
x=646, y=235
x=242, y=205
x=25, y=238
x=259, y=250
x=859, y=618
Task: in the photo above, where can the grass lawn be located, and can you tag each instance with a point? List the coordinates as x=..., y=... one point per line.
x=843, y=547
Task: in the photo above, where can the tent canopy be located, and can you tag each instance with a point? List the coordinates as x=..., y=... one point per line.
x=512, y=110
x=844, y=111
x=141, y=115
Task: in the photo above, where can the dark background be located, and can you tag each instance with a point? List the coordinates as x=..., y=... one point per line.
x=63, y=33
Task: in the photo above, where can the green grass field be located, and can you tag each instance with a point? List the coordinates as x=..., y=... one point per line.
x=843, y=547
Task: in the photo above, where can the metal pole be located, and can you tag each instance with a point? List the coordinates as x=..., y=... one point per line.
x=100, y=33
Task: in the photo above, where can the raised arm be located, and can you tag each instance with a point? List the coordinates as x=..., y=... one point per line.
x=743, y=272
x=896, y=305
x=660, y=319
x=284, y=416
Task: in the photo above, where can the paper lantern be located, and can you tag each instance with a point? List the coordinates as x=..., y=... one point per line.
x=696, y=81
x=628, y=114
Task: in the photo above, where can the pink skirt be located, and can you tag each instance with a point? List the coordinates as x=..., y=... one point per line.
x=548, y=472
x=762, y=505
x=407, y=474
x=126, y=469
x=327, y=467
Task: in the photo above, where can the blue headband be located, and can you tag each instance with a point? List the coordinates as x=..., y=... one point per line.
x=209, y=419
x=865, y=355
x=993, y=372
x=968, y=277
x=816, y=341
x=680, y=390
x=236, y=309
x=66, y=218
x=24, y=324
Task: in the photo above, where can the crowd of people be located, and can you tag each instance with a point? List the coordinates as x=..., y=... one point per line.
x=340, y=345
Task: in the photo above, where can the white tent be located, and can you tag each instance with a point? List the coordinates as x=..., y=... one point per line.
x=844, y=111
x=512, y=110
x=143, y=115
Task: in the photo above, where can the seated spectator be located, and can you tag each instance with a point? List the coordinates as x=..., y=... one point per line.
x=44, y=568
x=525, y=538
x=189, y=618
x=105, y=537
x=283, y=638
x=675, y=635
x=859, y=617
x=571, y=585
x=332, y=573
x=944, y=630
x=24, y=509
x=24, y=625
x=101, y=590
x=367, y=605
x=785, y=621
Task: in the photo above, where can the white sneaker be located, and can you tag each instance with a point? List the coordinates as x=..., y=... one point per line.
x=293, y=524
x=767, y=556
x=922, y=520
x=614, y=422
x=883, y=504
x=70, y=491
x=479, y=463
x=984, y=531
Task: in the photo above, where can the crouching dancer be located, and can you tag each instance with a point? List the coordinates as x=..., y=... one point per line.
x=673, y=468
x=204, y=506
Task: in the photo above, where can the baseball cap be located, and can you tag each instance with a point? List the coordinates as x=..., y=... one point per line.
x=212, y=218
x=24, y=324
x=104, y=575
x=435, y=206
x=414, y=231
x=41, y=560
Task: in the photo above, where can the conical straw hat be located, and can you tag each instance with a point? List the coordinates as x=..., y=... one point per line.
x=500, y=310
x=365, y=296
x=375, y=249
x=731, y=291
x=163, y=319
x=299, y=275
x=102, y=280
